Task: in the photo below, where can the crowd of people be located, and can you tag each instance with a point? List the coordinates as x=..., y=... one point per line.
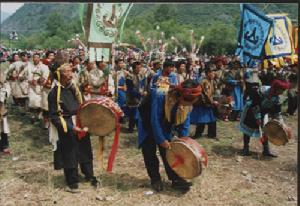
x=169, y=93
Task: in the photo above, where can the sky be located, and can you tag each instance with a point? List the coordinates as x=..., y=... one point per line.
x=10, y=7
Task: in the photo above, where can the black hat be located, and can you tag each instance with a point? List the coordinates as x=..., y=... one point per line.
x=168, y=63
x=22, y=54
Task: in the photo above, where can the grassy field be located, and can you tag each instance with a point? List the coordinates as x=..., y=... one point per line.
x=27, y=177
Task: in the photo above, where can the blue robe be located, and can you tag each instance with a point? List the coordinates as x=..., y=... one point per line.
x=237, y=94
x=121, y=100
x=158, y=127
x=202, y=115
x=254, y=112
x=135, y=92
x=249, y=117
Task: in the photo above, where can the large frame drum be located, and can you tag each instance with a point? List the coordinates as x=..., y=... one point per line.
x=99, y=115
x=186, y=157
x=278, y=133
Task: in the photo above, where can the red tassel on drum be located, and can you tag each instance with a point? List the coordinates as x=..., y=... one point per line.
x=106, y=102
x=81, y=134
x=114, y=147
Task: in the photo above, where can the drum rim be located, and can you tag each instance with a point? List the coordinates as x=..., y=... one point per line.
x=98, y=101
x=201, y=149
x=273, y=140
x=198, y=161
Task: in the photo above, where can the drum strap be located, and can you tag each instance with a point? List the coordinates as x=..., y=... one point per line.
x=62, y=120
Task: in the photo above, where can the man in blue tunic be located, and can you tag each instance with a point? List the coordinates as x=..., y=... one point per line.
x=204, y=110
x=164, y=111
x=135, y=83
x=121, y=81
x=234, y=80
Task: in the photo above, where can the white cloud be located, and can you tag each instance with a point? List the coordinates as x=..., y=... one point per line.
x=10, y=7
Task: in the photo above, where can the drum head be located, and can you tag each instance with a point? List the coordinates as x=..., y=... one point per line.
x=276, y=133
x=99, y=119
x=198, y=150
x=183, y=161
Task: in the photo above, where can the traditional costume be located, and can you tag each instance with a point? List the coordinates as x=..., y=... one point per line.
x=234, y=81
x=85, y=83
x=261, y=105
x=204, y=111
x=292, y=94
x=251, y=78
x=102, y=83
x=35, y=91
x=135, y=84
x=160, y=116
x=121, y=81
x=69, y=151
x=16, y=76
x=267, y=76
x=4, y=127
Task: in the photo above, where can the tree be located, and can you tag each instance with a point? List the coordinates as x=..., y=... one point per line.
x=54, y=23
x=164, y=12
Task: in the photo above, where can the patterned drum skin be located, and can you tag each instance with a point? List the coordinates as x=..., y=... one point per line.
x=187, y=157
x=277, y=132
x=99, y=115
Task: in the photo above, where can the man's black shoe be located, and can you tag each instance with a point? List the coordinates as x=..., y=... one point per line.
x=245, y=152
x=197, y=136
x=73, y=188
x=269, y=154
x=157, y=186
x=94, y=182
x=214, y=138
x=181, y=184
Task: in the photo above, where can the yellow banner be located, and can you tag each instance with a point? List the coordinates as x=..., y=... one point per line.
x=279, y=42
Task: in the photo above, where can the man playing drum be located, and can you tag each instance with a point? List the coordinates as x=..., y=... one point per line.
x=64, y=100
x=172, y=106
x=260, y=104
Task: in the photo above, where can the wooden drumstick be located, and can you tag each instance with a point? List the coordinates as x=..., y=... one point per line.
x=100, y=152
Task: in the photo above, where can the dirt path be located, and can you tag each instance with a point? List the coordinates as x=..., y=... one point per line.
x=27, y=176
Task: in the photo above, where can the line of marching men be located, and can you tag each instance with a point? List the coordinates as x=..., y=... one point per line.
x=225, y=86
x=227, y=91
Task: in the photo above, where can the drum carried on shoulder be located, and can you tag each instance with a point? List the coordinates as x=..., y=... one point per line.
x=278, y=133
x=186, y=157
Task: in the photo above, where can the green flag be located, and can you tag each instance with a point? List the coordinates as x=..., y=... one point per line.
x=104, y=21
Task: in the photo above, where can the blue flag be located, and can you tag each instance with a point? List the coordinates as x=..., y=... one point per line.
x=254, y=30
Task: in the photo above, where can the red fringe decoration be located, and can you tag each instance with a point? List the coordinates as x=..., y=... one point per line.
x=114, y=147
x=118, y=113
